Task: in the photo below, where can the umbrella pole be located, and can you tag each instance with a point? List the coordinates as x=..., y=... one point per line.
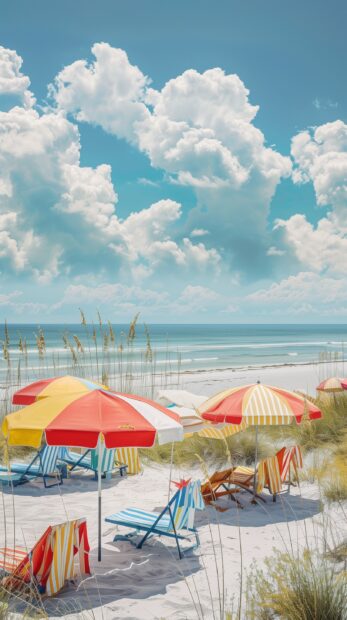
x=171, y=462
x=99, y=498
x=255, y=464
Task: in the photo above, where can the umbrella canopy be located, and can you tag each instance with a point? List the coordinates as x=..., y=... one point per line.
x=123, y=420
x=186, y=404
x=193, y=423
x=334, y=384
x=258, y=404
x=55, y=386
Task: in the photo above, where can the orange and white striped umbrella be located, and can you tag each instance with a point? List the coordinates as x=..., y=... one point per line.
x=333, y=384
x=258, y=404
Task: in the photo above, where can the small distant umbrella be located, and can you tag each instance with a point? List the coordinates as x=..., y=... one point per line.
x=333, y=384
x=54, y=386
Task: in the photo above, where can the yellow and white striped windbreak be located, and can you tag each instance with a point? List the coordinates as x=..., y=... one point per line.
x=130, y=458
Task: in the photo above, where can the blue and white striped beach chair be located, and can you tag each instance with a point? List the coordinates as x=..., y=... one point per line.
x=176, y=517
x=89, y=460
x=46, y=468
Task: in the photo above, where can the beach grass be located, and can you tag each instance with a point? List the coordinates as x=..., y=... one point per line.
x=238, y=449
x=307, y=587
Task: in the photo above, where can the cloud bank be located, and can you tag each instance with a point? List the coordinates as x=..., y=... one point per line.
x=60, y=223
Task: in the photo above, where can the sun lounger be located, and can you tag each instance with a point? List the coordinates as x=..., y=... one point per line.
x=218, y=485
x=44, y=465
x=176, y=517
x=89, y=460
x=50, y=563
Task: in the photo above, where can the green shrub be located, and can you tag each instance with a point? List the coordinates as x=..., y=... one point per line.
x=330, y=429
x=292, y=588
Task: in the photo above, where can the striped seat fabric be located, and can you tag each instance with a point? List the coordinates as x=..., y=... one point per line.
x=177, y=515
x=89, y=460
x=107, y=459
x=135, y=517
x=287, y=458
x=269, y=475
x=51, y=561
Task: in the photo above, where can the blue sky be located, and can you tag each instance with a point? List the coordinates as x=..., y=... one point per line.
x=189, y=161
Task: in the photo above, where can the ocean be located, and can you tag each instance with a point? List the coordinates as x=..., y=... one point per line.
x=188, y=347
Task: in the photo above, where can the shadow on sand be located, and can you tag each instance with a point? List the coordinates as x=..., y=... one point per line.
x=125, y=573
x=83, y=483
x=286, y=509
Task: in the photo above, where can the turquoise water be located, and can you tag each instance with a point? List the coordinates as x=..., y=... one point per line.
x=194, y=347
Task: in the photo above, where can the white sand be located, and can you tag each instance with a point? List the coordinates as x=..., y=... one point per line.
x=304, y=377
x=151, y=583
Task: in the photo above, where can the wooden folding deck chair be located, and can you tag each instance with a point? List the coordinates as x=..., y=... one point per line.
x=50, y=563
x=176, y=517
x=240, y=477
x=44, y=465
x=218, y=485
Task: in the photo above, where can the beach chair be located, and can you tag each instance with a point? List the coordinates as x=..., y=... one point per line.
x=44, y=465
x=272, y=472
x=176, y=517
x=89, y=460
x=269, y=476
x=50, y=563
x=218, y=485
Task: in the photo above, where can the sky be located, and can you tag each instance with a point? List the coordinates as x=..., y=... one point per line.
x=184, y=160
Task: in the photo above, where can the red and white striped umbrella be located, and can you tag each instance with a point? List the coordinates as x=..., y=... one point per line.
x=258, y=404
x=333, y=384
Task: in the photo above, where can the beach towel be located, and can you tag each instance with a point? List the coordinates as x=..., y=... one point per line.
x=269, y=475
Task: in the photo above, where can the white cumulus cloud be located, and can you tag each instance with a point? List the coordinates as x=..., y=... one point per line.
x=107, y=92
x=199, y=130
x=12, y=81
x=320, y=156
x=322, y=248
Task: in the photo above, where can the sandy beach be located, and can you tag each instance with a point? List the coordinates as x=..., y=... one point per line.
x=302, y=377
x=151, y=583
